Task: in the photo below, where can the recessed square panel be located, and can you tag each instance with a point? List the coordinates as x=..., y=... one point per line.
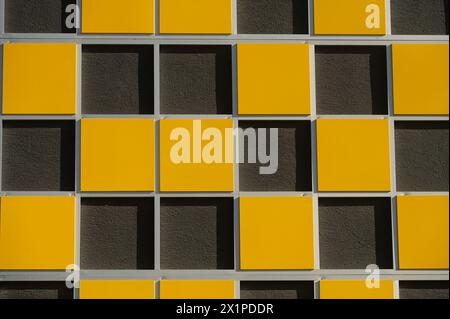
x=34, y=290
x=423, y=289
x=277, y=289
x=197, y=233
x=37, y=233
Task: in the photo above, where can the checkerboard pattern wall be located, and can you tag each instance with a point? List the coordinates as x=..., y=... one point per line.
x=92, y=91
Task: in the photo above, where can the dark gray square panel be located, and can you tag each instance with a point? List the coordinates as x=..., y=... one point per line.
x=355, y=233
x=277, y=290
x=272, y=16
x=117, y=79
x=294, y=158
x=196, y=79
x=117, y=233
x=351, y=80
x=419, y=17
x=37, y=16
x=421, y=150
x=424, y=290
x=197, y=233
x=38, y=156
x=34, y=290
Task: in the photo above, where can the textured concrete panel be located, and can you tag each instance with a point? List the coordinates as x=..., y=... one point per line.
x=355, y=232
x=35, y=290
x=277, y=290
x=36, y=16
x=421, y=156
x=351, y=80
x=197, y=233
x=117, y=233
x=424, y=290
x=419, y=16
x=38, y=156
x=294, y=159
x=272, y=16
x=196, y=80
x=117, y=79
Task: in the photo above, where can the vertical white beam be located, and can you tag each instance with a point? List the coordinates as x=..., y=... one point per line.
x=157, y=198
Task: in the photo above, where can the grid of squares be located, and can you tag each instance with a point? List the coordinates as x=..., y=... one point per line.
x=110, y=95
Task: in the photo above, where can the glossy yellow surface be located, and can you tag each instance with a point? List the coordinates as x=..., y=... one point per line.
x=39, y=78
x=353, y=155
x=117, y=16
x=195, y=175
x=273, y=79
x=37, y=233
x=349, y=17
x=117, y=289
x=355, y=289
x=276, y=233
x=195, y=16
x=196, y=289
x=420, y=76
x=117, y=155
x=423, y=232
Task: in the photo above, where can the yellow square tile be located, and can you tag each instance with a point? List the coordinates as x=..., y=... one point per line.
x=273, y=78
x=117, y=155
x=39, y=78
x=195, y=16
x=37, y=233
x=350, y=17
x=423, y=232
x=276, y=233
x=117, y=289
x=353, y=155
x=420, y=79
x=355, y=289
x=196, y=155
x=117, y=16
x=197, y=289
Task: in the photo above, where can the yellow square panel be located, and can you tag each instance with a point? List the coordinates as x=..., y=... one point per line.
x=353, y=155
x=196, y=155
x=117, y=16
x=117, y=289
x=195, y=16
x=37, y=233
x=273, y=79
x=420, y=76
x=355, y=289
x=350, y=17
x=39, y=78
x=117, y=155
x=276, y=233
x=423, y=232
x=197, y=289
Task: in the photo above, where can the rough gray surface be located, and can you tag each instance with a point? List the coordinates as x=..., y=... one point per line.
x=36, y=16
x=117, y=233
x=294, y=159
x=117, y=79
x=272, y=16
x=277, y=290
x=35, y=290
x=197, y=233
x=355, y=232
x=38, y=156
x=419, y=16
x=421, y=156
x=351, y=80
x=424, y=290
x=196, y=79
